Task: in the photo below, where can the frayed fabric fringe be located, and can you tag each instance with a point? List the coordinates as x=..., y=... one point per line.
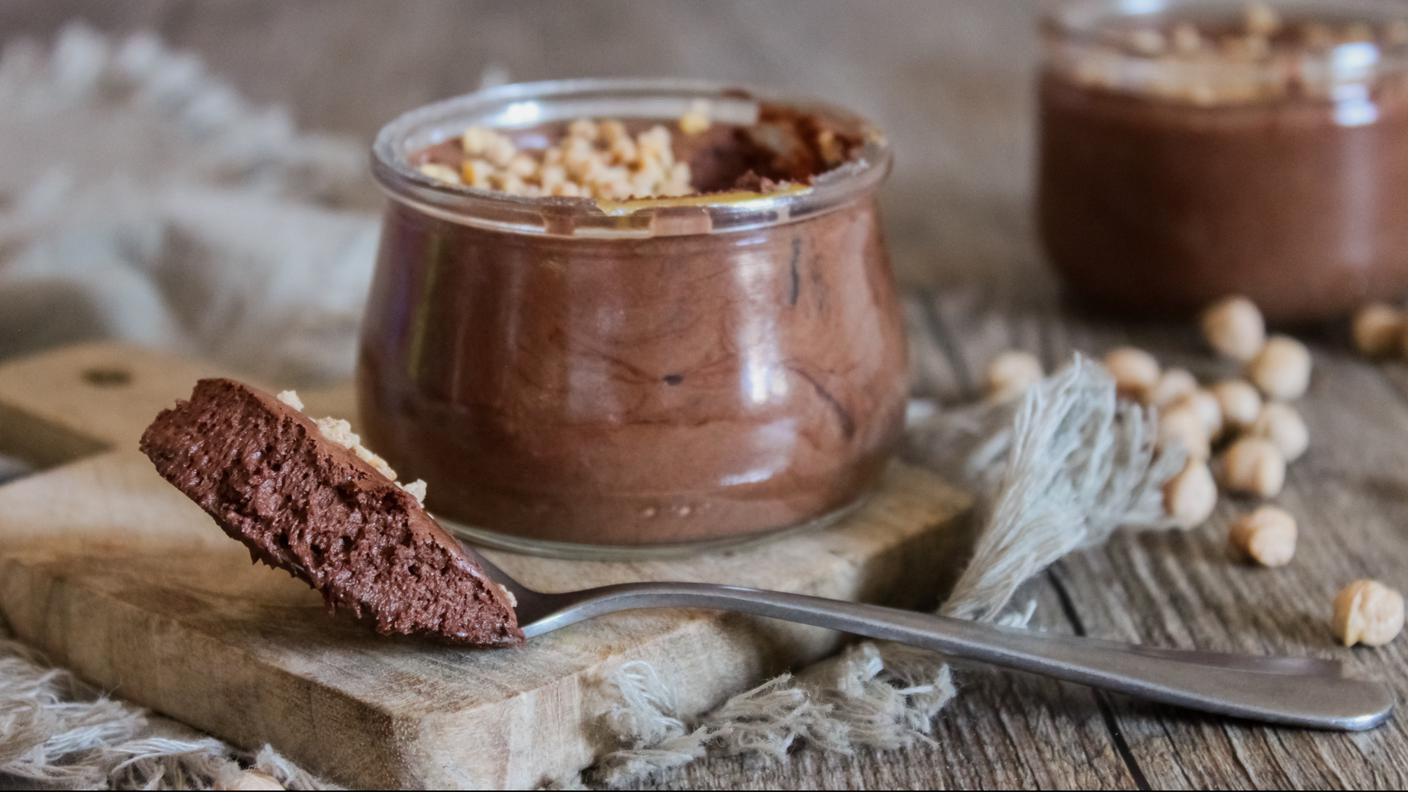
x=1059, y=470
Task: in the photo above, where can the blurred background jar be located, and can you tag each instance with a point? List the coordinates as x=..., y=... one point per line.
x=1191, y=149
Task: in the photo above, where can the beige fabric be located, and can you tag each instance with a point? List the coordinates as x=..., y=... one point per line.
x=141, y=198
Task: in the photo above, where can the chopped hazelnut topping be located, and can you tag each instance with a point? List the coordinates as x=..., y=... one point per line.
x=290, y=397
x=339, y=431
x=417, y=490
x=595, y=159
x=696, y=120
x=1266, y=57
x=441, y=173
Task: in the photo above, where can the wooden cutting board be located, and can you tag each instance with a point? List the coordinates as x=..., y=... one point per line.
x=117, y=576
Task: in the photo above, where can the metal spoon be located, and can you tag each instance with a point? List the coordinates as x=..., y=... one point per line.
x=1283, y=690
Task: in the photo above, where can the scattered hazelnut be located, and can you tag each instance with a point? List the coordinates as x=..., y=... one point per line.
x=1367, y=612
x=1283, y=426
x=1183, y=426
x=1254, y=466
x=1172, y=385
x=1266, y=536
x=1240, y=403
x=1377, y=329
x=1191, y=495
x=1011, y=373
x=1281, y=369
x=1205, y=405
x=1134, y=370
x=1234, y=328
x=251, y=780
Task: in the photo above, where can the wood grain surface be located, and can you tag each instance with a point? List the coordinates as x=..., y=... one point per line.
x=951, y=80
x=248, y=653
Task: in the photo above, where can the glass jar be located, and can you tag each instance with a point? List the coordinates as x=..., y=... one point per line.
x=1258, y=157
x=589, y=378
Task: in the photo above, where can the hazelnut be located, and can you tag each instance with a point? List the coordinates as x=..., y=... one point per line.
x=1266, y=536
x=1377, y=330
x=1254, y=466
x=290, y=397
x=1281, y=369
x=1172, y=385
x=583, y=128
x=1367, y=612
x=440, y=173
x=1205, y=405
x=1234, y=328
x=1011, y=373
x=696, y=119
x=1239, y=401
x=1191, y=495
x=1183, y=426
x=1283, y=426
x=1135, y=371
x=251, y=780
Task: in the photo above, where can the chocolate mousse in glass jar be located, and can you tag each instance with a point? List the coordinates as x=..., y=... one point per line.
x=1192, y=149
x=576, y=369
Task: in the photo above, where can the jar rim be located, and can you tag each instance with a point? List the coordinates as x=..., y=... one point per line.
x=1085, y=23
x=518, y=105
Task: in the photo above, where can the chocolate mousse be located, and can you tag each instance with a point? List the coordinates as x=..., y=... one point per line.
x=326, y=513
x=1187, y=158
x=630, y=386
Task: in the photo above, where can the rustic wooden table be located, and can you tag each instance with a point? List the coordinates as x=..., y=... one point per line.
x=951, y=81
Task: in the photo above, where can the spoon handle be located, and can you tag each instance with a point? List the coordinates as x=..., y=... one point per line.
x=1276, y=690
